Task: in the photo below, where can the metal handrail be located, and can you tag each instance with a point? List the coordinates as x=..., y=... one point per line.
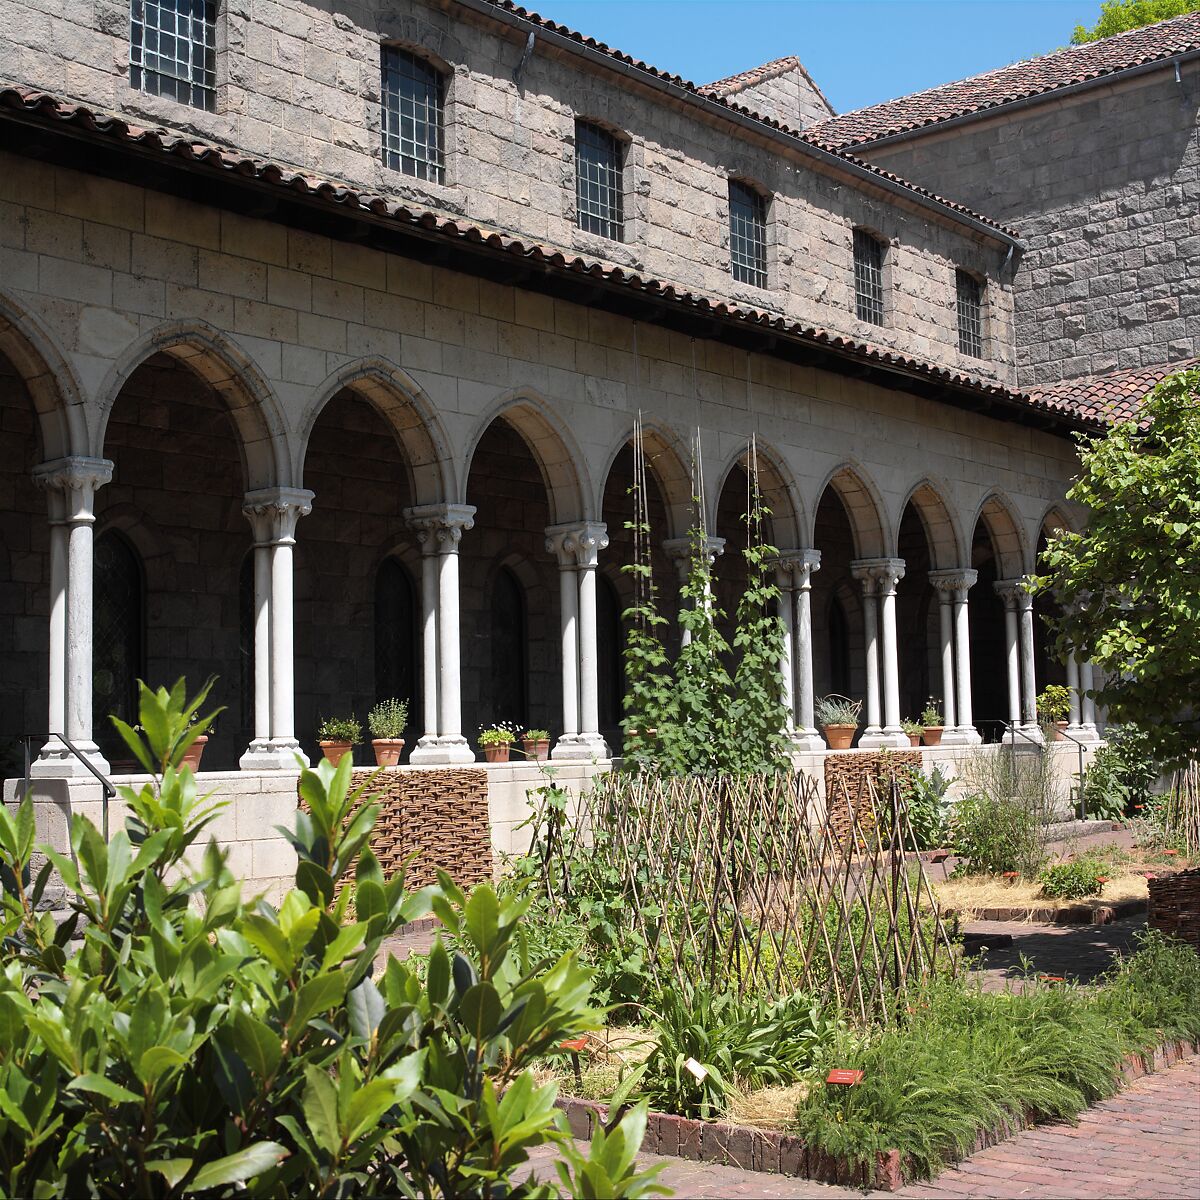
x=109, y=789
x=1011, y=728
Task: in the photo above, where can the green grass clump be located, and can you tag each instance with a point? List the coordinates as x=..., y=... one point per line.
x=1072, y=880
x=966, y=1060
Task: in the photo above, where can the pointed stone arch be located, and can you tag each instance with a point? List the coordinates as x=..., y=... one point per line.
x=941, y=531
x=408, y=412
x=667, y=461
x=228, y=370
x=1004, y=530
x=787, y=528
x=1055, y=520
x=553, y=448
x=863, y=506
x=48, y=379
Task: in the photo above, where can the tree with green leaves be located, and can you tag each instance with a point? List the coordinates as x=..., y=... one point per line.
x=1120, y=16
x=1129, y=585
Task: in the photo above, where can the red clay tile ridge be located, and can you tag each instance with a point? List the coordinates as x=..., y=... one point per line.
x=733, y=84
x=30, y=103
x=689, y=89
x=1114, y=396
x=1034, y=77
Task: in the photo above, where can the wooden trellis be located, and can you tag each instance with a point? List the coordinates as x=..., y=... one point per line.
x=744, y=884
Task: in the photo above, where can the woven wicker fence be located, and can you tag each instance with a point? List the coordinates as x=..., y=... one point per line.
x=1175, y=906
x=745, y=884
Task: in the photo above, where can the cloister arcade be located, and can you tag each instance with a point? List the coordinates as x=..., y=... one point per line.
x=179, y=526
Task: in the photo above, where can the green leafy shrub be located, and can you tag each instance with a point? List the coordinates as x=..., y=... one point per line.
x=1072, y=880
x=967, y=1059
x=340, y=729
x=1120, y=775
x=1053, y=704
x=192, y=1042
x=388, y=719
x=928, y=807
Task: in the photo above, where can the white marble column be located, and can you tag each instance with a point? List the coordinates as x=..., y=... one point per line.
x=680, y=551
x=1018, y=610
x=953, y=586
x=873, y=731
x=1073, y=718
x=273, y=514
x=1028, y=680
x=439, y=529
x=943, y=583
x=429, y=646
x=888, y=574
x=577, y=547
x=798, y=567
x=786, y=611
x=72, y=484
x=1087, y=683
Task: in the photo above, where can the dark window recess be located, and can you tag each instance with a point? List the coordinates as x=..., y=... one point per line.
x=118, y=609
x=970, y=314
x=509, y=692
x=396, y=634
x=839, y=649
x=599, y=182
x=611, y=674
x=413, y=115
x=173, y=50
x=747, y=234
x=868, y=277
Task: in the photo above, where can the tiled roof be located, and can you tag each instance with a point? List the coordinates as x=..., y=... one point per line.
x=733, y=84
x=1035, y=77
x=700, y=93
x=1115, y=396
x=49, y=110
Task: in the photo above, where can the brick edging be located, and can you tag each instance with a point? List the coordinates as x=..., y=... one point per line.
x=779, y=1153
x=1075, y=914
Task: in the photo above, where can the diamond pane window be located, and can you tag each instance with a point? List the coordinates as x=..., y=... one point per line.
x=747, y=234
x=970, y=314
x=413, y=104
x=868, y=277
x=599, y=181
x=173, y=49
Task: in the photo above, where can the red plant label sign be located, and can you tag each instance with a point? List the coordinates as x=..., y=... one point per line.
x=844, y=1076
x=575, y=1044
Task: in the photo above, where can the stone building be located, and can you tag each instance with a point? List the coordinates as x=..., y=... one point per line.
x=323, y=330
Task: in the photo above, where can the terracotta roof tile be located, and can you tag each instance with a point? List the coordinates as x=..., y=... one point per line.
x=733, y=84
x=1034, y=77
x=47, y=109
x=1114, y=396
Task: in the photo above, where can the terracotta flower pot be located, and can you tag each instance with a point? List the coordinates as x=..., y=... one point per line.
x=933, y=735
x=334, y=751
x=839, y=737
x=539, y=750
x=387, y=751
x=194, y=753
x=1058, y=728
x=496, y=753
x=914, y=739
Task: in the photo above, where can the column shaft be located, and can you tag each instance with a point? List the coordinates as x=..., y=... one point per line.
x=283, y=682
x=787, y=660
x=962, y=629
x=262, y=642
x=569, y=603
x=946, y=625
x=891, y=660
x=1073, y=720
x=1028, y=682
x=449, y=666
x=589, y=686
x=58, y=629
x=804, y=658
x=871, y=640
x=429, y=646
x=1013, y=657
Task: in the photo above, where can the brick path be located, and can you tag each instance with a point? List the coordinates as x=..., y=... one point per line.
x=1144, y=1142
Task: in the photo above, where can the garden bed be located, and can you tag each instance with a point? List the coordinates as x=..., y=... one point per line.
x=777, y=1152
x=985, y=898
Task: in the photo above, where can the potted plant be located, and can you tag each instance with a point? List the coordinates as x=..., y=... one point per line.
x=838, y=716
x=1053, y=708
x=536, y=744
x=337, y=736
x=193, y=754
x=387, y=721
x=914, y=729
x=931, y=722
x=496, y=742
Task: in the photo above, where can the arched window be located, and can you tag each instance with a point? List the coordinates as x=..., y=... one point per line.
x=611, y=674
x=118, y=661
x=396, y=637
x=509, y=695
x=839, y=648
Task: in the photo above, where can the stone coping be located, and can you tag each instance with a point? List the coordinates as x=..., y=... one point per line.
x=779, y=1153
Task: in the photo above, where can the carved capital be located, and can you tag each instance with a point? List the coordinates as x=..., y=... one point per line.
x=71, y=484
x=880, y=574
x=680, y=549
x=577, y=545
x=273, y=513
x=797, y=567
x=439, y=527
x=1014, y=592
x=954, y=579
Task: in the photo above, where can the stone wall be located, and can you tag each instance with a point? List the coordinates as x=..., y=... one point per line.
x=300, y=85
x=788, y=97
x=1104, y=188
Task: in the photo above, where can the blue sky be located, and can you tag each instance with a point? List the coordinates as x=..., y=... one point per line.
x=858, y=51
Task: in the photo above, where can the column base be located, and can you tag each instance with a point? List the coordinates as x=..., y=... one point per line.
x=962, y=735
x=1028, y=735
x=884, y=739
x=806, y=741
x=442, y=751
x=57, y=762
x=271, y=754
x=580, y=747
x=1088, y=734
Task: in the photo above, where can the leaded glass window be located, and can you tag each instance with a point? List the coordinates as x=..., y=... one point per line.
x=970, y=314
x=396, y=637
x=747, y=234
x=868, y=277
x=413, y=115
x=599, y=181
x=173, y=49
x=117, y=624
